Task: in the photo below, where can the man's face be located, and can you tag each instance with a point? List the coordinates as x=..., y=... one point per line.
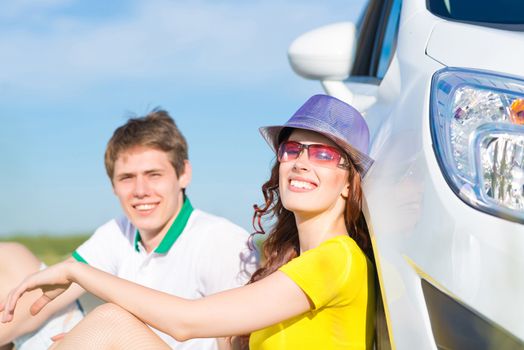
x=148, y=188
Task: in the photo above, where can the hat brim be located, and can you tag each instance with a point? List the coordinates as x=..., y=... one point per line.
x=362, y=161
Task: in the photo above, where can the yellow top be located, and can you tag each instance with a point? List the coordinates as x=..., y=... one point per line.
x=339, y=280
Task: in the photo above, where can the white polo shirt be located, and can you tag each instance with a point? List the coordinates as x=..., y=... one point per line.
x=200, y=255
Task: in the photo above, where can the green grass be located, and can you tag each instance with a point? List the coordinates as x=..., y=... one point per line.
x=49, y=249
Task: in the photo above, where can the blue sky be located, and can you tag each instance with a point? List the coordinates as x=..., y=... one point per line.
x=72, y=71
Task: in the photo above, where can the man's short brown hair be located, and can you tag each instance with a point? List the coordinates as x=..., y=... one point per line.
x=155, y=130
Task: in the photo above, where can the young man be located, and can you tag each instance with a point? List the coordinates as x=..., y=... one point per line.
x=162, y=242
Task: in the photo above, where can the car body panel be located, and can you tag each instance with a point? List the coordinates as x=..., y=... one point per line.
x=420, y=228
x=454, y=45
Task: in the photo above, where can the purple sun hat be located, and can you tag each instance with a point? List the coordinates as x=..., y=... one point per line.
x=334, y=119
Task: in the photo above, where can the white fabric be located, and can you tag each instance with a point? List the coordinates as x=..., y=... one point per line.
x=62, y=322
x=209, y=256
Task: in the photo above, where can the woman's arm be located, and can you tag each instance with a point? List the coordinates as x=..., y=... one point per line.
x=233, y=312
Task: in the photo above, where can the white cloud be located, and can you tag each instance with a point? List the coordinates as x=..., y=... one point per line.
x=234, y=42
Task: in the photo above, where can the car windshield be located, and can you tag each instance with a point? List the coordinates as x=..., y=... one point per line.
x=502, y=12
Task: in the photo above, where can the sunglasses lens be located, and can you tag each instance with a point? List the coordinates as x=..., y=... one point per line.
x=289, y=151
x=324, y=155
x=318, y=154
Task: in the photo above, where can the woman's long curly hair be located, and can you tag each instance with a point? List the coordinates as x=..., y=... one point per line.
x=282, y=243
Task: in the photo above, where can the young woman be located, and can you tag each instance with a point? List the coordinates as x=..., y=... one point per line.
x=315, y=289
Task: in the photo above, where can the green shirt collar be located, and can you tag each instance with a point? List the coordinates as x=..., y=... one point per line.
x=174, y=231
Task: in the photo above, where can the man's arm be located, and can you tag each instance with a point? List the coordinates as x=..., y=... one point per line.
x=23, y=321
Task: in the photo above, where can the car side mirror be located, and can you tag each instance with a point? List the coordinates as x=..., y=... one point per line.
x=325, y=53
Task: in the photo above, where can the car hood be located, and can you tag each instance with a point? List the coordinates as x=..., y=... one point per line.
x=469, y=46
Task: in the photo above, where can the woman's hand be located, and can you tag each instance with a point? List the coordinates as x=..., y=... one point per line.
x=53, y=281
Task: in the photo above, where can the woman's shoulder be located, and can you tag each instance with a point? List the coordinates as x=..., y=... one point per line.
x=344, y=252
x=343, y=245
x=354, y=263
x=339, y=254
x=338, y=263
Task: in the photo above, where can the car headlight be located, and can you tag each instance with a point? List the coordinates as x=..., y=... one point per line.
x=477, y=125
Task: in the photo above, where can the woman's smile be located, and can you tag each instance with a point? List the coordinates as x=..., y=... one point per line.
x=299, y=184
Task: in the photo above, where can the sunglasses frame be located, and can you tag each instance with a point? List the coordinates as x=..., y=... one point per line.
x=345, y=165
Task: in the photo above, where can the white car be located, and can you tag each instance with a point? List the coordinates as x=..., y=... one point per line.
x=441, y=84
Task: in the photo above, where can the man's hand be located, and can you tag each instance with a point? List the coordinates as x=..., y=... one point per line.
x=53, y=281
x=58, y=337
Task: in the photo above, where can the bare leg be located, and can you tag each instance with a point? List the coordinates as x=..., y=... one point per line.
x=111, y=327
x=16, y=262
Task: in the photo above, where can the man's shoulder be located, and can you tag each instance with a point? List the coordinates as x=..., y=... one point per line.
x=219, y=239
x=121, y=227
x=201, y=220
x=110, y=239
